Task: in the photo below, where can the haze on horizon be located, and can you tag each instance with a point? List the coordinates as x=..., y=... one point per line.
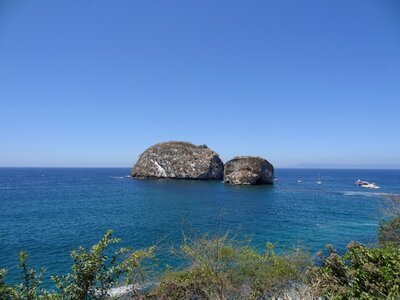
x=94, y=83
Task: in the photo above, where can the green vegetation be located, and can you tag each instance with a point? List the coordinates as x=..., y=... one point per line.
x=223, y=268
x=219, y=268
x=93, y=274
x=389, y=231
x=362, y=273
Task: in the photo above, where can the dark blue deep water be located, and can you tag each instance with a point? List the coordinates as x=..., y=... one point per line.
x=48, y=212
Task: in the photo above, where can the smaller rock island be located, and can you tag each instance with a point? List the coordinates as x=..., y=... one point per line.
x=179, y=160
x=248, y=170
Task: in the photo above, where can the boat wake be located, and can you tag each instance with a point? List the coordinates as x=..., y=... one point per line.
x=348, y=224
x=362, y=194
x=368, y=194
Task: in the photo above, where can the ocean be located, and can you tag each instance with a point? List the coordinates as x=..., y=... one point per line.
x=50, y=211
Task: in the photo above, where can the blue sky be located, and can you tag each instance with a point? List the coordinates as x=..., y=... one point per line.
x=94, y=83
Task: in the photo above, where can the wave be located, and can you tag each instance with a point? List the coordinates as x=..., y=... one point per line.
x=368, y=194
x=119, y=291
x=127, y=289
x=117, y=177
x=348, y=224
x=364, y=194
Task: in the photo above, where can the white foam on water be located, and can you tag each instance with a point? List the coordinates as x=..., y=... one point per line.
x=127, y=289
x=365, y=194
x=117, y=177
x=367, y=224
x=119, y=291
x=355, y=224
x=368, y=194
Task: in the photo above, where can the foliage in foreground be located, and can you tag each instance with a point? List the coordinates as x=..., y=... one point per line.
x=93, y=274
x=222, y=269
x=389, y=229
x=389, y=232
x=362, y=273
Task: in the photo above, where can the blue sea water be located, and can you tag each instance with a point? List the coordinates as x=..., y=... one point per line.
x=50, y=211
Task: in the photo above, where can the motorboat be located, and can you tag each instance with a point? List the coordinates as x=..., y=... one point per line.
x=366, y=184
x=360, y=182
x=370, y=186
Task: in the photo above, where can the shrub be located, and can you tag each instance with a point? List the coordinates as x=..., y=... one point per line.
x=220, y=268
x=362, y=273
x=93, y=274
x=389, y=231
x=6, y=291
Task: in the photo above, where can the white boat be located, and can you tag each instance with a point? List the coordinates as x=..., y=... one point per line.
x=299, y=181
x=319, y=180
x=366, y=184
x=370, y=186
x=360, y=182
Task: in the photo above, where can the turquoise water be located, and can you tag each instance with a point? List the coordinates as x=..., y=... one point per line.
x=48, y=212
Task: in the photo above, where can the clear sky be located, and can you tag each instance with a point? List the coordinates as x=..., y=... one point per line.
x=94, y=83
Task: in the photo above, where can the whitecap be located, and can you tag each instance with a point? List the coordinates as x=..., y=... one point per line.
x=119, y=291
x=364, y=194
x=117, y=177
x=126, y=289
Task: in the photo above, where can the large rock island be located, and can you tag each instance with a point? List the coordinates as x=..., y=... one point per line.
x=179, y=160
x=248, y=170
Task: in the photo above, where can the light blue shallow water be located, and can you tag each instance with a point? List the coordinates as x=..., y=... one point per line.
x=48, y=212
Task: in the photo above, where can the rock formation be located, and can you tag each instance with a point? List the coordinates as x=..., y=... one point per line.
x=179, y=160
x=248, y=170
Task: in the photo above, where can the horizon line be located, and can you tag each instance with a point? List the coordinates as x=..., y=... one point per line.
x=124, y=167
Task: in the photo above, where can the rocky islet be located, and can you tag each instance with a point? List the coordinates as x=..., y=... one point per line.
x=183, y=160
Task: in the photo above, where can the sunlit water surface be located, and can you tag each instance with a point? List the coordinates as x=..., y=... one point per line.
x=48, y=212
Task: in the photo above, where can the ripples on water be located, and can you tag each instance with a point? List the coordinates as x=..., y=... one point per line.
x=49, y=212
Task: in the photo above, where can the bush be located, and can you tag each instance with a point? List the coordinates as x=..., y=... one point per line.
x=362, y=273
x=6, y=291
x=219, y=268
x=93, y=274
x=222, y=269
x=389, y=231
